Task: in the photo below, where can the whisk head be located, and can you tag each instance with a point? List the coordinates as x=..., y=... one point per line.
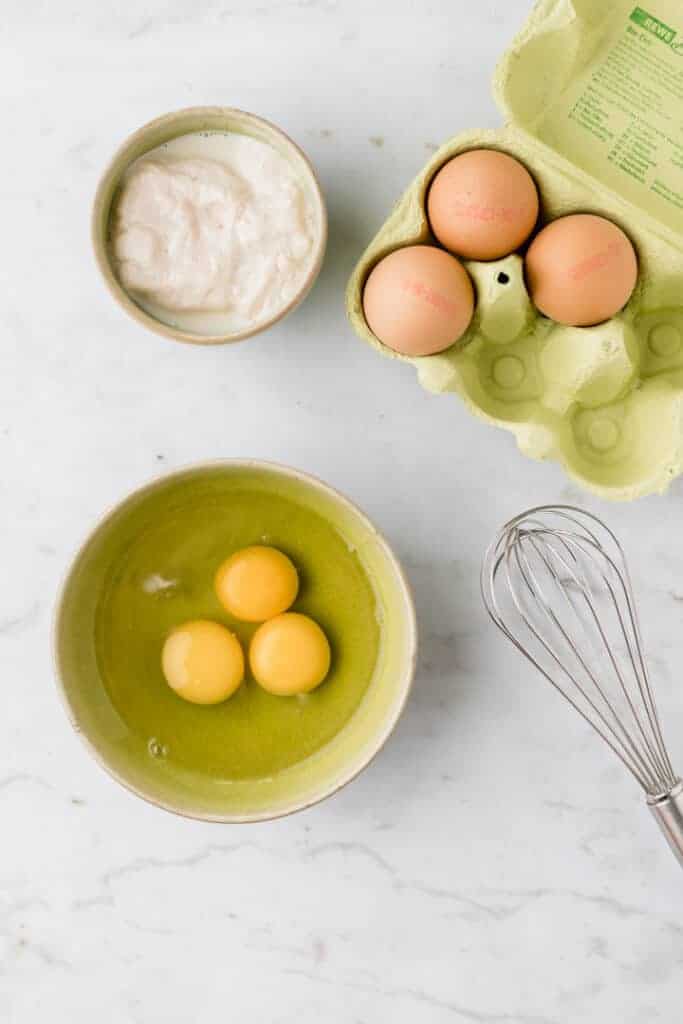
x=556, y=583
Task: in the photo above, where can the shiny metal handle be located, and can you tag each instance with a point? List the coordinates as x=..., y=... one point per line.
x=668, y=812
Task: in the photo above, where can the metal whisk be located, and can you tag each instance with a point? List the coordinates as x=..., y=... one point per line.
x=556, y=583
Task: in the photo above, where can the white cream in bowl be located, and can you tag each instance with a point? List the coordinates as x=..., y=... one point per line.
x=213, y=232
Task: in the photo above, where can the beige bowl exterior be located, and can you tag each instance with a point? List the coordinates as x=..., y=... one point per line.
x=163, y=129
x=309, y=781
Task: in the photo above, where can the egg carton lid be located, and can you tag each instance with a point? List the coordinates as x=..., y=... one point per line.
x=600, y=85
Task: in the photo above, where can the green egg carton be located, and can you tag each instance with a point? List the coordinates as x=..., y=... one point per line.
x=592, y=93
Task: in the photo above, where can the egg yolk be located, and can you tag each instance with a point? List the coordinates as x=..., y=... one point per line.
x=290, y=654
x=257, y=583
x=203, y=662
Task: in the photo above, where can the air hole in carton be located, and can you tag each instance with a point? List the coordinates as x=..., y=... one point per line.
x=503, y=278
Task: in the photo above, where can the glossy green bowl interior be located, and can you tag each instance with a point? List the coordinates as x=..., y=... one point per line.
x=149, y=565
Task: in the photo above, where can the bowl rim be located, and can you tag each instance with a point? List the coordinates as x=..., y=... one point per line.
x=407, y=671
x=99, y=241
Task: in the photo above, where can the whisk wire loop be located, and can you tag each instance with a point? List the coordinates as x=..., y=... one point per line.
x=615, y=727
x=556, y=583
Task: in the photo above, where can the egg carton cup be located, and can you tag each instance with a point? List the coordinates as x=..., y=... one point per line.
x=606, y=402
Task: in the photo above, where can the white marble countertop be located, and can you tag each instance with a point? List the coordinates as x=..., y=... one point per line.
x=494, y=864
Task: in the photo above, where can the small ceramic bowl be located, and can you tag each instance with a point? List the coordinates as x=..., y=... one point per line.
x=170, y=126
x=115, y=737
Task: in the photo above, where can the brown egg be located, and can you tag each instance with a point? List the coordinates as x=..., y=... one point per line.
x=418, y=300
x=581, y=269
x=482, y=204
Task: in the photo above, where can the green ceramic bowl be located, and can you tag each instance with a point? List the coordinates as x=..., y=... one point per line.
x=170, y=126
x=149, y=565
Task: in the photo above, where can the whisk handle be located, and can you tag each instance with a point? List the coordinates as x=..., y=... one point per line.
x=668, y=812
